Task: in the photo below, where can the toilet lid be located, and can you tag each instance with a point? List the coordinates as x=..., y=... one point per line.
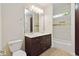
x=19, y=53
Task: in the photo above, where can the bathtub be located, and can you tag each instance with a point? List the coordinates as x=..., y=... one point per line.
x=63, y=44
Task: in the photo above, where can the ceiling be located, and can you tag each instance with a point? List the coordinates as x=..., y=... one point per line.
x=40, y=5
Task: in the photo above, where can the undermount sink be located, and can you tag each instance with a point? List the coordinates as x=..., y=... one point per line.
x=36, y=34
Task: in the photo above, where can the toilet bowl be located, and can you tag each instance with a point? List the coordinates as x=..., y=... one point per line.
x=15, y=47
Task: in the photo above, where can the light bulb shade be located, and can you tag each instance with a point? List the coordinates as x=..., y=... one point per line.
x=36, y=9
x=59, y=15
x=27, y=11
x=62, y=14
x=67, y=13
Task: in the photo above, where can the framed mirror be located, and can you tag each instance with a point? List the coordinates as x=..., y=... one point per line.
x=31, y=21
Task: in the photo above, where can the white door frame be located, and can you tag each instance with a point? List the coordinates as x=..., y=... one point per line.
x=73, y=26
x=0, y=30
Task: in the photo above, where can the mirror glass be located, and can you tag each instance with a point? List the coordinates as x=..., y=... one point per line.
x=31, y=21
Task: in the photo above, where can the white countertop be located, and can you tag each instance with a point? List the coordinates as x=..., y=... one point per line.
x=36, y=34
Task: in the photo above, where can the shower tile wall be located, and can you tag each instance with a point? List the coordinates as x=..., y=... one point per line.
x=62, y=32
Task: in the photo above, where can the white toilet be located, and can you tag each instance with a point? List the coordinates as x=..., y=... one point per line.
x=15, y=47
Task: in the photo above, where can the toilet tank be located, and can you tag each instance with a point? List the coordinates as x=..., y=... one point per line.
x=15, y=45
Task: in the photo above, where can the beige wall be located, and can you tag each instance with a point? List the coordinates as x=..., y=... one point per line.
x=0, y=29
x=48, y=18
x=12, y=22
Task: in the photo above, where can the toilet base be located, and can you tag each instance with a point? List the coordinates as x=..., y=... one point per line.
x=19, y=53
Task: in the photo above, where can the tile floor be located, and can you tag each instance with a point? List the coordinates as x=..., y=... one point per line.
x=55, y=52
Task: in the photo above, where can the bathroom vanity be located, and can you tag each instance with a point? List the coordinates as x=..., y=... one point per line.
x=37, y=43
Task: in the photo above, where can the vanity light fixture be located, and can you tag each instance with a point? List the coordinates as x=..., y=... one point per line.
x=27, y=11
x=36, y=9
x=60, y=15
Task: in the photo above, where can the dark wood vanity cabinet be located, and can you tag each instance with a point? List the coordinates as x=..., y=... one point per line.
x=37, y=45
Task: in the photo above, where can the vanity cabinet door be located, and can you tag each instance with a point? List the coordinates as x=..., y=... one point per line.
x=32, y=46
x=36, y=46
x=45, y=42
x=27, y=45
x=35, y=50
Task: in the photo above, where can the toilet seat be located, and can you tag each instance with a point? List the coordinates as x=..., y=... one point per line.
x=19, y=53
